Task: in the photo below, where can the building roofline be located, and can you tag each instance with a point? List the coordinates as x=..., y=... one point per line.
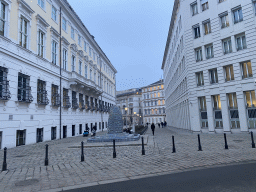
x=174, y=11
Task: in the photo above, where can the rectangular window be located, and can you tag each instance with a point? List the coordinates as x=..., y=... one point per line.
x=227, y=46
x=54, y=13
x=73, y=63
x=250, y=99
x=207, y=27
x=246, y=69
x=229, y=73
x=205, y=5
x=194, y=8
x=80, y=128
x=2, y=19
x=216, y=102
x=66, y=102
x=41, y=3
x=200, y=78
x=90, y=74
x=53, y=133
x=41, y=43
x=232, y=102
x=4, y=84
x=39, y=135
x=90, y=52
x=224, y=21
x=94, y=58
x=20, y=137
x=54, y=52
x=213, y=76
x=23, y=32
x=74, y=100
x=85, y=71
x=202, y=103
x=198, y=55
x=80, y=68
x=85, y=47
x=64, y=24
x=79, y=40
x=238, y=15
x=55, y=96
x=73, y=130
x=72, y=33
x=209, y=51
x=24, y=90
x=196, y=31
x=42, y=93
x=240, y=42
x=81, y=101
x=64, y=59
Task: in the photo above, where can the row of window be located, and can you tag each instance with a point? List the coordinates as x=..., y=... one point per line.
x=153, y=88
x=154, y=103
x=246, y=68
x=153, y=95
x=24, y=94
x=154, y=111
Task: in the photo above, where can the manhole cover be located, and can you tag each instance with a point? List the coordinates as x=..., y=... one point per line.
x=238, y=141
x=26, y=182
x=20, y=156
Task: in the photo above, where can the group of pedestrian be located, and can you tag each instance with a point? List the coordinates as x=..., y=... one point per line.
x=163, y=124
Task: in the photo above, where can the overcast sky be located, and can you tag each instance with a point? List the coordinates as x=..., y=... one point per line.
x=132, y=33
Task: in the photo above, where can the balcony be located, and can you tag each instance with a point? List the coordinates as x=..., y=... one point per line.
x=81, y=105
x=92, y=106
x=87, y=106
x=66, y=102
x=74, y=103
x=56, y=100
x=42, y=97
x=24, y=95
x=4, y=90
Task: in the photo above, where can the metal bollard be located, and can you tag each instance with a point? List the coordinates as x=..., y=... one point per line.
x=199, y=143
x=82, y=151
x=143, y=150
x=173, y=145
x=46, y=155
x=225, y=138
x=4, y=168
x=114, y=148
x=253, y=144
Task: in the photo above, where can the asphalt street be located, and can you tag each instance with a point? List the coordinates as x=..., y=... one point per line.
x=233, y=178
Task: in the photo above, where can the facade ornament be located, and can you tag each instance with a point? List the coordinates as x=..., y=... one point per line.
x=74, y=47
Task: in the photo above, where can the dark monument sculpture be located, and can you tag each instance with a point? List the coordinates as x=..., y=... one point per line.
x=115, y=129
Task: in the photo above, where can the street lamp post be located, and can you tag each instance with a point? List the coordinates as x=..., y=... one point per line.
x=133, y=127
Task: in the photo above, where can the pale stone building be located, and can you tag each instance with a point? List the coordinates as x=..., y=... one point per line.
x=153, y=102
x=54, y=77
x=209, y=66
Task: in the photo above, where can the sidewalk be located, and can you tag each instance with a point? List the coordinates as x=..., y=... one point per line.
x=26, y=170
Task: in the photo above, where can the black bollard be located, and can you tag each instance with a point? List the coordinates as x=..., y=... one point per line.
x=46, y=155
x=199, y=143
x=114, y=148
x=82, y=151
x=173, y=145
x=143, y=150
x=253, y=144
x=225, y=138
x=4, y=168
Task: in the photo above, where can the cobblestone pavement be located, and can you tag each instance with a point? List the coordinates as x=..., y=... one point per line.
x=26, y=170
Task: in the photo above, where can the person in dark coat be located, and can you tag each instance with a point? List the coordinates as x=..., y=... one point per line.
x=153, y=128
x=159, y=125
x=162, y=124
x=165, y=123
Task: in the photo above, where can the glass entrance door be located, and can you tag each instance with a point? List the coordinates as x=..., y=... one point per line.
x=217, y=112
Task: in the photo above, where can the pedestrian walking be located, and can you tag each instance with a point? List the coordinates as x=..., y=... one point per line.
x=162, y=124
x=153, y=128
x=165, y=123
x=159, y=125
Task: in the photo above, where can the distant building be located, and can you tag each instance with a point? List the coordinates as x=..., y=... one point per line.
x=153, y=102
x=129, y=102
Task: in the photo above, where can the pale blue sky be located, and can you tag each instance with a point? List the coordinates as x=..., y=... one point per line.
x=132, y=33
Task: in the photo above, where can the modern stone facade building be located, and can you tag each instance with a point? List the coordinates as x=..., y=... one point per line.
x=209, y=66
x=54, y=77
x=153, y=102
x=129, y=102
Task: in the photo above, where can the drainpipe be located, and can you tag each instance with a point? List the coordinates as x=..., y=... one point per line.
x=101, y=97
x=60, y=74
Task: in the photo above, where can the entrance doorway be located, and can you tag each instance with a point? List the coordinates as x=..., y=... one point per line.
x=64, y=131
x=53, y=133
x=39, y=135
x=20, y=137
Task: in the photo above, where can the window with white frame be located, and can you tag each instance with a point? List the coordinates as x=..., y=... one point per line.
x=202, y=103
x=85, y=71
x=213, y=75
x=198, y=54
x=207, y=26
x=240, y=42
x=54, y=52
x=72, y=33
x=227, y=46
x=196, y=29
x=79, y=40
x=232, y=101
x=64, y=60
x=200, y=78
x=85, y=47
x=2, y=19
x=224, y=20
x=64, y=24
x=204, y=4
x=194, y=8
x=229, y=72
x=73, y=60
x=250, y=98
x=23, y=32
x=41, y=43
x=209, y=51
x=41, y=3
x=237, y=14
x=80, y=68
x=94, y=58
x=90, y=74
x=246, y=69
x=90, y=51
x=216, y=102
x=54, y=13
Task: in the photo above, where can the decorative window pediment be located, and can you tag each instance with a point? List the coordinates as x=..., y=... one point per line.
x=25, y=9
x=74, y=47
x=65, y=41
x=81, y=53
x=42, y=23
x=86, y=58
x=54, y=33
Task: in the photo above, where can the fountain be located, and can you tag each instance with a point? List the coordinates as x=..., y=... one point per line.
x=115, y=129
